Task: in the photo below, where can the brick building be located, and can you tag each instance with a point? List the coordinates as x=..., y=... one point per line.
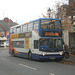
x=5, y=25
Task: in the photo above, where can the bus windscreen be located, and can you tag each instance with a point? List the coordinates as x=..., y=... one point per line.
x=51, y=24
x=50, y=43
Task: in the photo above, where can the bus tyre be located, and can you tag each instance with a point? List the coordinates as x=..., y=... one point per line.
x=13, y=53
x=30, y=56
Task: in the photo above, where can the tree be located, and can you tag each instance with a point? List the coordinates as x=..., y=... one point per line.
x=64, y=12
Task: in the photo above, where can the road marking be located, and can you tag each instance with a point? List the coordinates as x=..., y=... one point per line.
x=28, y=67
x=5, y=59
x=51, y=73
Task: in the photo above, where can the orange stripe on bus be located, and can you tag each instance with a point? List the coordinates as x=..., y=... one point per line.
x=26, y=22
x=14, y=50
x=36, y=32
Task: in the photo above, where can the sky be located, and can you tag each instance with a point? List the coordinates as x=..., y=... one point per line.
x=22, y=11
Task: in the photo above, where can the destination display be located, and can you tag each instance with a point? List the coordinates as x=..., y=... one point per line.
x=50, y=34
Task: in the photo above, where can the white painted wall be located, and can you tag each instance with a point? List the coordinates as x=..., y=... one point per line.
x=66, y=36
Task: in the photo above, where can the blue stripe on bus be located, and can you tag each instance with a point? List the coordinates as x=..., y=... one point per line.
x=24, y=55
x=50, y=30
x=48, y=19
x=46, y=47
x=53, y=37
x=38, y=57
x=52, y=56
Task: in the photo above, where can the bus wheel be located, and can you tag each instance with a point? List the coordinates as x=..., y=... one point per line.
x=30, y=56
x=13, y=53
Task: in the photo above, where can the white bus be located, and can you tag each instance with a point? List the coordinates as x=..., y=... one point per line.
x=38, y=39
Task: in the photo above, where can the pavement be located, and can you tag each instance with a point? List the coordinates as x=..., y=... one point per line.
x=3, y=48
x=70, y=60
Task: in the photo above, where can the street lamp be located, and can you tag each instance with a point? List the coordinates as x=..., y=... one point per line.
x=49, y=11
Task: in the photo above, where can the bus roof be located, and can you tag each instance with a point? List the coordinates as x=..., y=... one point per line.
x=15, y=26
x=36, y=20
x=44, y=19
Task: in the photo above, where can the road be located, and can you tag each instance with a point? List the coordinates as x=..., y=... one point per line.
x=19, y=66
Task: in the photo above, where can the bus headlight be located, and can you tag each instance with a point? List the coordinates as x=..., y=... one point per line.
x=43, y=54
x=61, y=53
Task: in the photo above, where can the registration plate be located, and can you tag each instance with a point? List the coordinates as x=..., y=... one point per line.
x=52, y=58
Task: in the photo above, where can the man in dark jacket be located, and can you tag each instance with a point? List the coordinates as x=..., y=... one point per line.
x=66, y=50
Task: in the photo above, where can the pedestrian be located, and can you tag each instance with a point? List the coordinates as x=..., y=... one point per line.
x=66, y=50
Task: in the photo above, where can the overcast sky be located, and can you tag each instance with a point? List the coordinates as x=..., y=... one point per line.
x=25, y=10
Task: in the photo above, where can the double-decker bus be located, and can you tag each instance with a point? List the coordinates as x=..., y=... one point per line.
x=38, y=39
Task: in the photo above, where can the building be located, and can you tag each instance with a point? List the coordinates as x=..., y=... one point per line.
x=5, y=25
x=71, y=1
x=67, y=14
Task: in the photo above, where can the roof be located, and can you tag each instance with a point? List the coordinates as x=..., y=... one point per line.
x=5, y=25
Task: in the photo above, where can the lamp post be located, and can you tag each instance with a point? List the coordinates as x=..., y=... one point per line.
x=49, y=11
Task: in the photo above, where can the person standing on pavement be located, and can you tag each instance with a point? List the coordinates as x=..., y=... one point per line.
x=66, y=50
